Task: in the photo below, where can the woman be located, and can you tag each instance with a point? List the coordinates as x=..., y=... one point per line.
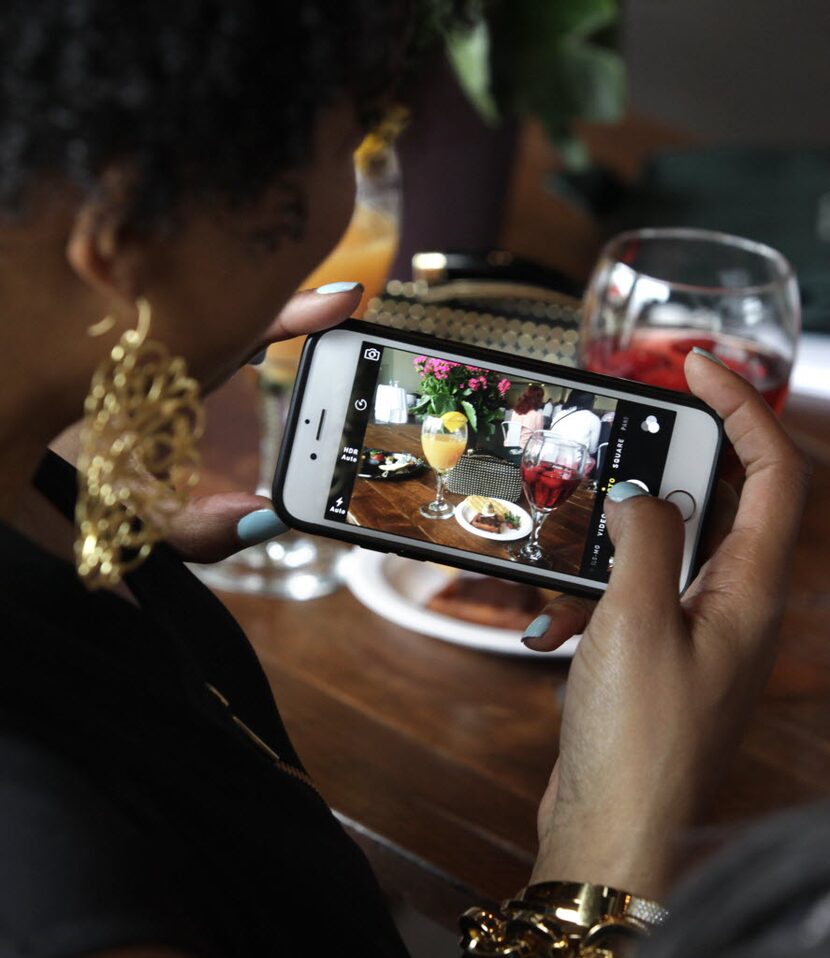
x=183, y=166
x=171, y=172
x=529, y=412
x=578, y=421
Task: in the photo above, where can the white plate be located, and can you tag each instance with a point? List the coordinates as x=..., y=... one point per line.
x=398, y=590
x=464, y=512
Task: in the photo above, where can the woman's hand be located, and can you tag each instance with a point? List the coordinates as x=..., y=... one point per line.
x=211, y=528
x=308, y=311
x=660, y=687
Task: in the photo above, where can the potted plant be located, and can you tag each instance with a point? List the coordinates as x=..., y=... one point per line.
x=504, y=61
x=455, y=387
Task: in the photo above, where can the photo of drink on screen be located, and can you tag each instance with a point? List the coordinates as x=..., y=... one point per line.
x=501, y=465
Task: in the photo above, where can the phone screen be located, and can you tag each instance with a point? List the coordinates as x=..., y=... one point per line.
x=524, y=464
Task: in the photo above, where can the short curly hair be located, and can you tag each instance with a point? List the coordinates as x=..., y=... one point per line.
x=205, y=98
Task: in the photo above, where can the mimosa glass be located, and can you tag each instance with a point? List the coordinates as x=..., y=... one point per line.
x=443, y=439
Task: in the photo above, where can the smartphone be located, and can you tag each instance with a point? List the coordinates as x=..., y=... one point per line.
x=528, y=463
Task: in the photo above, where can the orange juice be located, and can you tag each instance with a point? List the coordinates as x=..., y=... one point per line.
x=443, y=450
x=365, y=254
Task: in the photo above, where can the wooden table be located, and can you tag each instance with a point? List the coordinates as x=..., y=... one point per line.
x=437, y=755
x=394, y=505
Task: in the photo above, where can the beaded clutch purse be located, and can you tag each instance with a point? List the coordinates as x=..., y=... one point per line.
x=481, y=474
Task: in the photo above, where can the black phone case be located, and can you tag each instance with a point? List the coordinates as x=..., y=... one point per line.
x=483, y=357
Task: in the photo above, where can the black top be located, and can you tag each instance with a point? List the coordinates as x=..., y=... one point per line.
x=132, y=809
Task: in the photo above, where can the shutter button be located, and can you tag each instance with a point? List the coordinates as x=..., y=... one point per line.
x=684, y=502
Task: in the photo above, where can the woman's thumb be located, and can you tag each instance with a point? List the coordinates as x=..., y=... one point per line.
x=648, y=545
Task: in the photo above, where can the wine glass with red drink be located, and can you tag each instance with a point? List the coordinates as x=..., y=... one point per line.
x=657, y=293
x=552, y=469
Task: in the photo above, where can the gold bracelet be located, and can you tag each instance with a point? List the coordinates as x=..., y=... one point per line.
x=564, y=919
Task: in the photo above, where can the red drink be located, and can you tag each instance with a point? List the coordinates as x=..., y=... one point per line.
x=656, y=357
x=547, y=485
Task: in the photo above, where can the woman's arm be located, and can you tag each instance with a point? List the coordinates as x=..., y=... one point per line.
x=660, y=687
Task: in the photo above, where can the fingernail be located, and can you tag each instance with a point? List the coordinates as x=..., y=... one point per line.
x=707, y=355
x=537, y=628
x=259, y=526
x=328, y=288
x=258, y=359
x=621, y=491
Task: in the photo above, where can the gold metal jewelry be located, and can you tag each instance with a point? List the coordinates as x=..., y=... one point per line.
x=138, y=458
x=562, y=919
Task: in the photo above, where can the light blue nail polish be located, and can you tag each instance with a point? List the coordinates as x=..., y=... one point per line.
x=258, y=359
x=329, y=288
x=259, y=526
x=707, y=355
x=537, y=627
x=621, y=491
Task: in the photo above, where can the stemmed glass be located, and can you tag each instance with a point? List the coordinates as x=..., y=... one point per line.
x=444, y=439
x=656, y=293
x=552, y=469
x=299, y=566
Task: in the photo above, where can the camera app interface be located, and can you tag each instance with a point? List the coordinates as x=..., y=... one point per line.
x=490, y=463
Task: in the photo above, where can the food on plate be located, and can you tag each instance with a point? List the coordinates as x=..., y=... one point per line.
x=380, y=463
x=490, y=515
x=488, y=601
x=489, y=523
x=398, y=460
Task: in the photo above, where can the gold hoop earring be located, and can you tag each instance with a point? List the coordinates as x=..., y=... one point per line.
x=138, y=458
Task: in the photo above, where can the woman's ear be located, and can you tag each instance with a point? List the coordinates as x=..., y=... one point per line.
x=99, y=249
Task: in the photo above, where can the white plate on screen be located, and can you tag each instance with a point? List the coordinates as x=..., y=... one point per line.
x=397, y=589
x=464, y=513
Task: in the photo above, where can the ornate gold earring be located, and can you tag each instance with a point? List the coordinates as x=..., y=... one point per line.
x=138, y=458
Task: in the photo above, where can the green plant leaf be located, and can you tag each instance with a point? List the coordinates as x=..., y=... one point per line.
x=556, y=60
x=468, y=52
x=470, y=413
x=579, y=18
x=442, y=404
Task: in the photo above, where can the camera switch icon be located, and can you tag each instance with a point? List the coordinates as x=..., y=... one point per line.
x=360, y=404
x=372, y=354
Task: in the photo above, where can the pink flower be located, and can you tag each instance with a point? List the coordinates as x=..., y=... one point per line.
x=503, y=385
x=444, y=365
x=473, y=383
x=441, y=374
x=418, y=360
